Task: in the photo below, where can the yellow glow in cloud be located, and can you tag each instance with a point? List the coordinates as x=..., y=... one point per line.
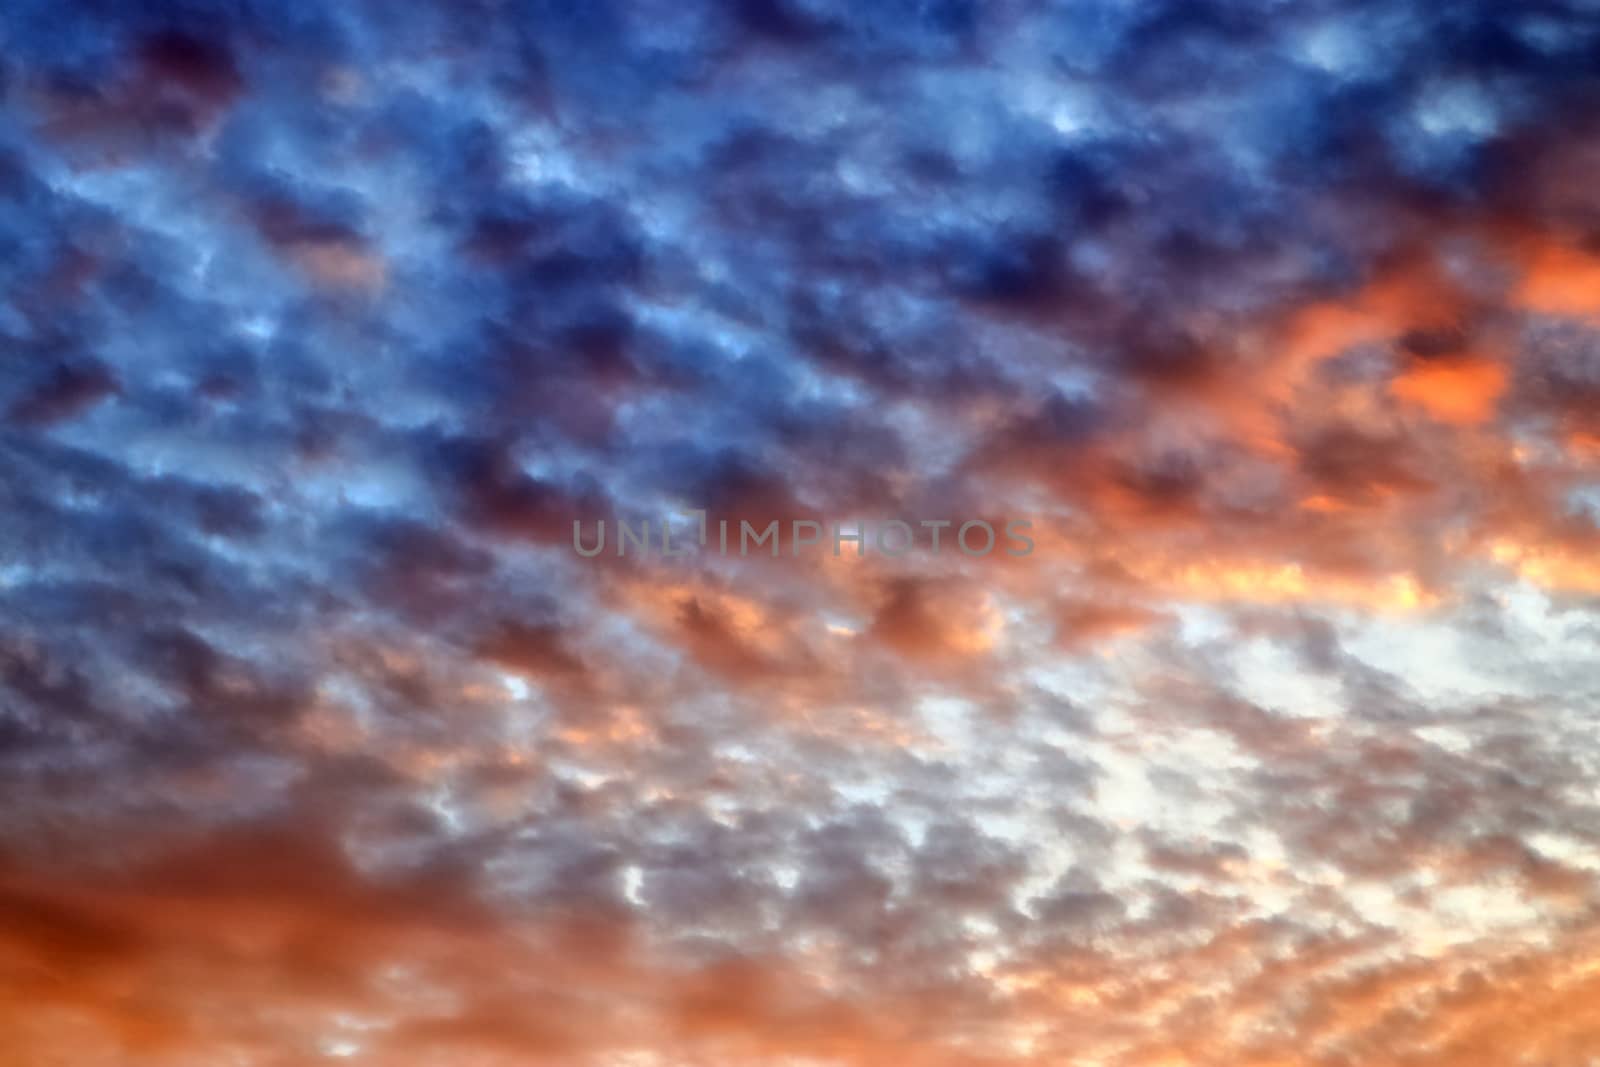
x=1289, y=583
x=1548, y=566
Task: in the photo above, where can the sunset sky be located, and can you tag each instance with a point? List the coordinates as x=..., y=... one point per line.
x=322, y=321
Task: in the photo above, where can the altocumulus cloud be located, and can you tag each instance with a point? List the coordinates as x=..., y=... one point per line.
x=323, y=322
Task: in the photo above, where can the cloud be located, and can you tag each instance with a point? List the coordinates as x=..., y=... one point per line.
x=325, y=323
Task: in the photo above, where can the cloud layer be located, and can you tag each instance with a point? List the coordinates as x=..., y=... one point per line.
x=323, y=322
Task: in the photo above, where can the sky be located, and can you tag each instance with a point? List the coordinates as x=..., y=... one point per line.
x=323, y=321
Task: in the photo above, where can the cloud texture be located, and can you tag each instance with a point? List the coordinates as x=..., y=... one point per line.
x=322, y=322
